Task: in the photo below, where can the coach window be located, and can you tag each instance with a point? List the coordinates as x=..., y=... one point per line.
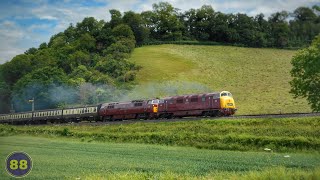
x=194, y=99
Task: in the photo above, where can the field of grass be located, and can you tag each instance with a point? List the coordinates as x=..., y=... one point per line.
x=280, y=135
x=64, y=158
x=258, y=78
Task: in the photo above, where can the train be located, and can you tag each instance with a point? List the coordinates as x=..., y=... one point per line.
x=205, y=104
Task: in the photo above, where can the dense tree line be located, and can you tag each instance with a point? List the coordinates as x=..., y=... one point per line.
x=281, y=29
x=60, y=72
x=96, y=52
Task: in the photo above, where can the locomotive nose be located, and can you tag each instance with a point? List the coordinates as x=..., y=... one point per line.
x=227, y=102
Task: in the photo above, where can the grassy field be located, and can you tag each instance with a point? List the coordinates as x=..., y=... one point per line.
x=64, y=158
x=280, y=135
x=258, y=78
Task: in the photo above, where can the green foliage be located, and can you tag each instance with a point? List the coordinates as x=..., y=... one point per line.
x=15, y=69
x=90, y=26
x=38, y=85
x=306, y=74
x=116, y=18
x=137, y=24
x=87, y=43
x=4, y=96
x=166, y=22
x=204, y=24
x=79, y=53
x=278, y=134
x=122, y=31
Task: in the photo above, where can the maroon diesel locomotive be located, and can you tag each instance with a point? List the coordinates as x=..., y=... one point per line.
x=137, y=109
x=209, y=104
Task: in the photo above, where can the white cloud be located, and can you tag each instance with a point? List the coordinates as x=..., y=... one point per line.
x=10, y=35
x=48, y=17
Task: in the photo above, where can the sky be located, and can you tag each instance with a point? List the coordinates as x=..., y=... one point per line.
x=28, y=23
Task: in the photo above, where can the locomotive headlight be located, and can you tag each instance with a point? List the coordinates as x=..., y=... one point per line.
x=155, y=108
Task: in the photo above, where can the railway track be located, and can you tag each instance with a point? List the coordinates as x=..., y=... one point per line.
x=99, y=123
x=197, y=118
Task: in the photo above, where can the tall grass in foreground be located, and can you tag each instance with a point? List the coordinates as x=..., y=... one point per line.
x=281, y=135
x=63, y=158
x=275, y=173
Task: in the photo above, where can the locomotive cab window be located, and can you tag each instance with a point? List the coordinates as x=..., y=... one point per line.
x=180, y=100
x=224, y=94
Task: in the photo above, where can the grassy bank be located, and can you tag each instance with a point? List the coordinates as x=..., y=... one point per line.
x=280, y=135
x=258, y=78
x=64, y=158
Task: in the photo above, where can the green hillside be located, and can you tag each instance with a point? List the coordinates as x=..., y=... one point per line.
x=258, y=78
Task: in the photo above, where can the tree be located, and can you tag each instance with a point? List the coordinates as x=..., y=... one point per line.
x=4, y=96
x=167, y=24
x=89, y=25
x=13, y=70
x=306, y=74
x=279, y=29
x=304, y=14
x=304, y=26
x=39, y=84
x=116, y=18
x=122, y=31
x=198, y=22
x=87, y=43
x=134, y=20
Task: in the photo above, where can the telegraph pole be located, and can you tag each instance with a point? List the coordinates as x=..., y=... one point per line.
x=32, y=101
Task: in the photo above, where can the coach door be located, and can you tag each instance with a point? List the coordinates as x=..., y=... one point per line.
x=210, y=101
x=166, y=104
